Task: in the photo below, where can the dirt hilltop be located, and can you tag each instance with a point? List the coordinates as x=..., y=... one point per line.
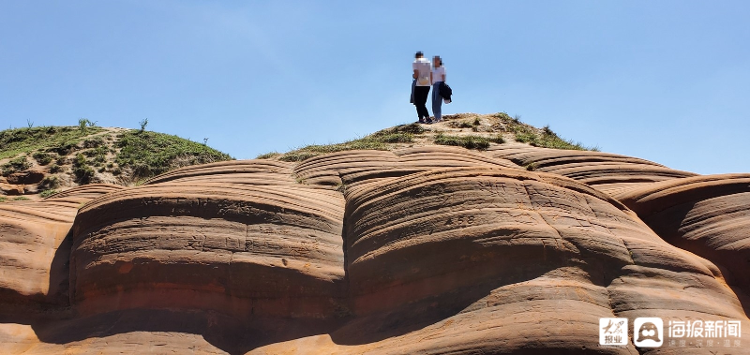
x=477, y=235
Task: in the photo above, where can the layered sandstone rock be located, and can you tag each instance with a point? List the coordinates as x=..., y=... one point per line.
x=607, y=172
x=343, y=169
x=34, y=250
x=707, y=215
x=241, y=238
x=519, y=257
x=419, y=250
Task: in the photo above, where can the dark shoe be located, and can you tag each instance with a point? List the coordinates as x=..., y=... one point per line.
x=421, y=121
x=429, y=121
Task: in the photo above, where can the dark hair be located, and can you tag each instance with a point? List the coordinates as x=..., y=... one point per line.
x=419, y=54
x=441, y=60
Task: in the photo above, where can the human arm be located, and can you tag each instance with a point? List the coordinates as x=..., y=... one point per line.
x=416, y=74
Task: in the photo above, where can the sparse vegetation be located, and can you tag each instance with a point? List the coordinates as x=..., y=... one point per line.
x=60, y=140
x=82, y=171
x=465, y=123
x=49, y=182
x=93, y=142
x=377, y=141
x=21, y=198
x=83, y=123
x=3, y=198
x=297, y=156
x=18, y=164
x=42, y=158
x=268, y=155
x=468, y=142
x=99, y=154
x=546, y=138
x=47, y=193
x=149, y=153
x=54, y=168
x=86, y=153
x=143, y=124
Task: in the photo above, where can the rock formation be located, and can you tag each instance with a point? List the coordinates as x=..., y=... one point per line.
x=427, y=249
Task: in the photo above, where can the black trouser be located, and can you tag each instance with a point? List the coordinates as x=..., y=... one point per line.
x=420, y=100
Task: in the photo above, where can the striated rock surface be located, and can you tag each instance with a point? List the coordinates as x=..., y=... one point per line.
x=34, y=250
x=707, y=215
x=425, y=249
x=607, y=172
x=213, y=237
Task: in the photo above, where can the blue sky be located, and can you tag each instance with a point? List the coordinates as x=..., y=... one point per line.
x=668, y=81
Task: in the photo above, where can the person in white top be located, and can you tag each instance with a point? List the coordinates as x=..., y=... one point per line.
x=421, y=76
x=437, y=77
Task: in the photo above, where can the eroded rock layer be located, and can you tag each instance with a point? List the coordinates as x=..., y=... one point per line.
x=707, y=215
x=607, y=172
x=33, y=252
x=212, y=238
x=518, y=256
x=348, y=168
x=420, y=250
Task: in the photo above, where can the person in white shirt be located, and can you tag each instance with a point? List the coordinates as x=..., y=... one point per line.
x=421, y=75
x=437, y=77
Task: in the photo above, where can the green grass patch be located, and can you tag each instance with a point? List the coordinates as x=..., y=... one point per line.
x=149, y=153
x=468, y=142
x=21, y=198
x=377, y=141
x=61, y=140
x=81, y=169
x=93, y=142
x=47, y=193
x=547, y=139
x=268, y=155
x=54, y=168
x=17, y=164
x=3, y=199
x=358, y=144
x=297, y=156
x=42, y=158
x=49, y=182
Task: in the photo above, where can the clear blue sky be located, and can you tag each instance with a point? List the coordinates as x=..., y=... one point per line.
x=667, y=81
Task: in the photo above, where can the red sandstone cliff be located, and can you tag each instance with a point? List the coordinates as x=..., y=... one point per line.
x=419, y=250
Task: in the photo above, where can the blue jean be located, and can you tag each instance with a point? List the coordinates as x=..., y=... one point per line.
x=437, y=101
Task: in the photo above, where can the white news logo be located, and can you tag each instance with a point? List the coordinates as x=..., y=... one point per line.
x=648, y=332
x=613, y=331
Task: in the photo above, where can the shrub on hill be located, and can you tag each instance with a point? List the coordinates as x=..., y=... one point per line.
x=149, y=153
x=468, y=142
x=60, y=140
